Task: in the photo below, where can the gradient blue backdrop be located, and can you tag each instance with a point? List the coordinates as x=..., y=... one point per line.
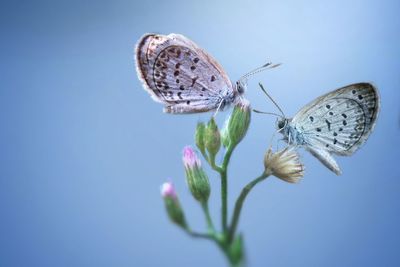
x=84, y=149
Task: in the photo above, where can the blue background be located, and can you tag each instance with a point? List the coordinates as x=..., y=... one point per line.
x=84, y=149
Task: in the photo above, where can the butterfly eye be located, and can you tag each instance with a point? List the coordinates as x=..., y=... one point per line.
x=239, y=87
x=281, y=124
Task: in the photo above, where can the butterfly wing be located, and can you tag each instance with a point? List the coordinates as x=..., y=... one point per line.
x=341, y=121
x=325, y=158
x=178, y=73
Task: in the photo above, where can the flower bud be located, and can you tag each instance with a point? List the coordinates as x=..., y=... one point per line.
x=238, y=123
x=199, y=136
x=212, y=138
x=196, y=178
x=172, y=204
x=236, y=251
x=284, y=164
x=224, y=134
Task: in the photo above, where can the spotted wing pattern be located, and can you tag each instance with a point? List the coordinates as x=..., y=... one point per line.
x=178, y=73
x=340, y=121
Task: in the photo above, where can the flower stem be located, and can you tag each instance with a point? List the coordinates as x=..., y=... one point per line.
x=200, y=235
x=215, y=167
x=239, y=204
x=210, y=225
x=224, y=187
x=224, y=200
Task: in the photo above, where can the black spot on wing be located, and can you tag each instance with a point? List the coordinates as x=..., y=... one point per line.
x=194, y=80
x=329, y=124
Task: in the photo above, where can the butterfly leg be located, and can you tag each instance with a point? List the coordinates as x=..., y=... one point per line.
x=219, y=106
x=281, y=140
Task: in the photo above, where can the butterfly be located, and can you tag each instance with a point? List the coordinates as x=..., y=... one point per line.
x=338, y=122
x=184, y=77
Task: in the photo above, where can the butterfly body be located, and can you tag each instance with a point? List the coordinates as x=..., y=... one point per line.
x=291, y=134
x=182, y=76
x=336, y=123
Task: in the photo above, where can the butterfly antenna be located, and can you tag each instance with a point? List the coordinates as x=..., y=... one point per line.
x=268, y=113
x=273, y=101
x=266, y=66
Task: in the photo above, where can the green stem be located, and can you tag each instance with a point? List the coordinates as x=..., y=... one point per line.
x=210, y=225
x=239, y=204
x=224, y=187
x=214, y=166
x=224, y=200
x=200, y=235
x=227, y=156
x=220, y=241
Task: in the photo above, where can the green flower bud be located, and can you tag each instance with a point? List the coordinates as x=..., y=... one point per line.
x=172, y=205
x=196, y=178
x=236, y=251
x=225, y=135
x=212, y=138
x=199, y=136
x=238, y=122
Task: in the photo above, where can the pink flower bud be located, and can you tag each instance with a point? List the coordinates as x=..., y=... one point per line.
x=172, y=205
x=168, y=190
x=196, y=178
x=190, y=159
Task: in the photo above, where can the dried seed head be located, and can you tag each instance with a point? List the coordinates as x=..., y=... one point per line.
x=284, y=164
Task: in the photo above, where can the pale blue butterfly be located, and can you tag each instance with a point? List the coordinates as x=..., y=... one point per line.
x=338, y=122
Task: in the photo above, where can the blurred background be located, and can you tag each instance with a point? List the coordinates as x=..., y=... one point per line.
x=84, y=149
